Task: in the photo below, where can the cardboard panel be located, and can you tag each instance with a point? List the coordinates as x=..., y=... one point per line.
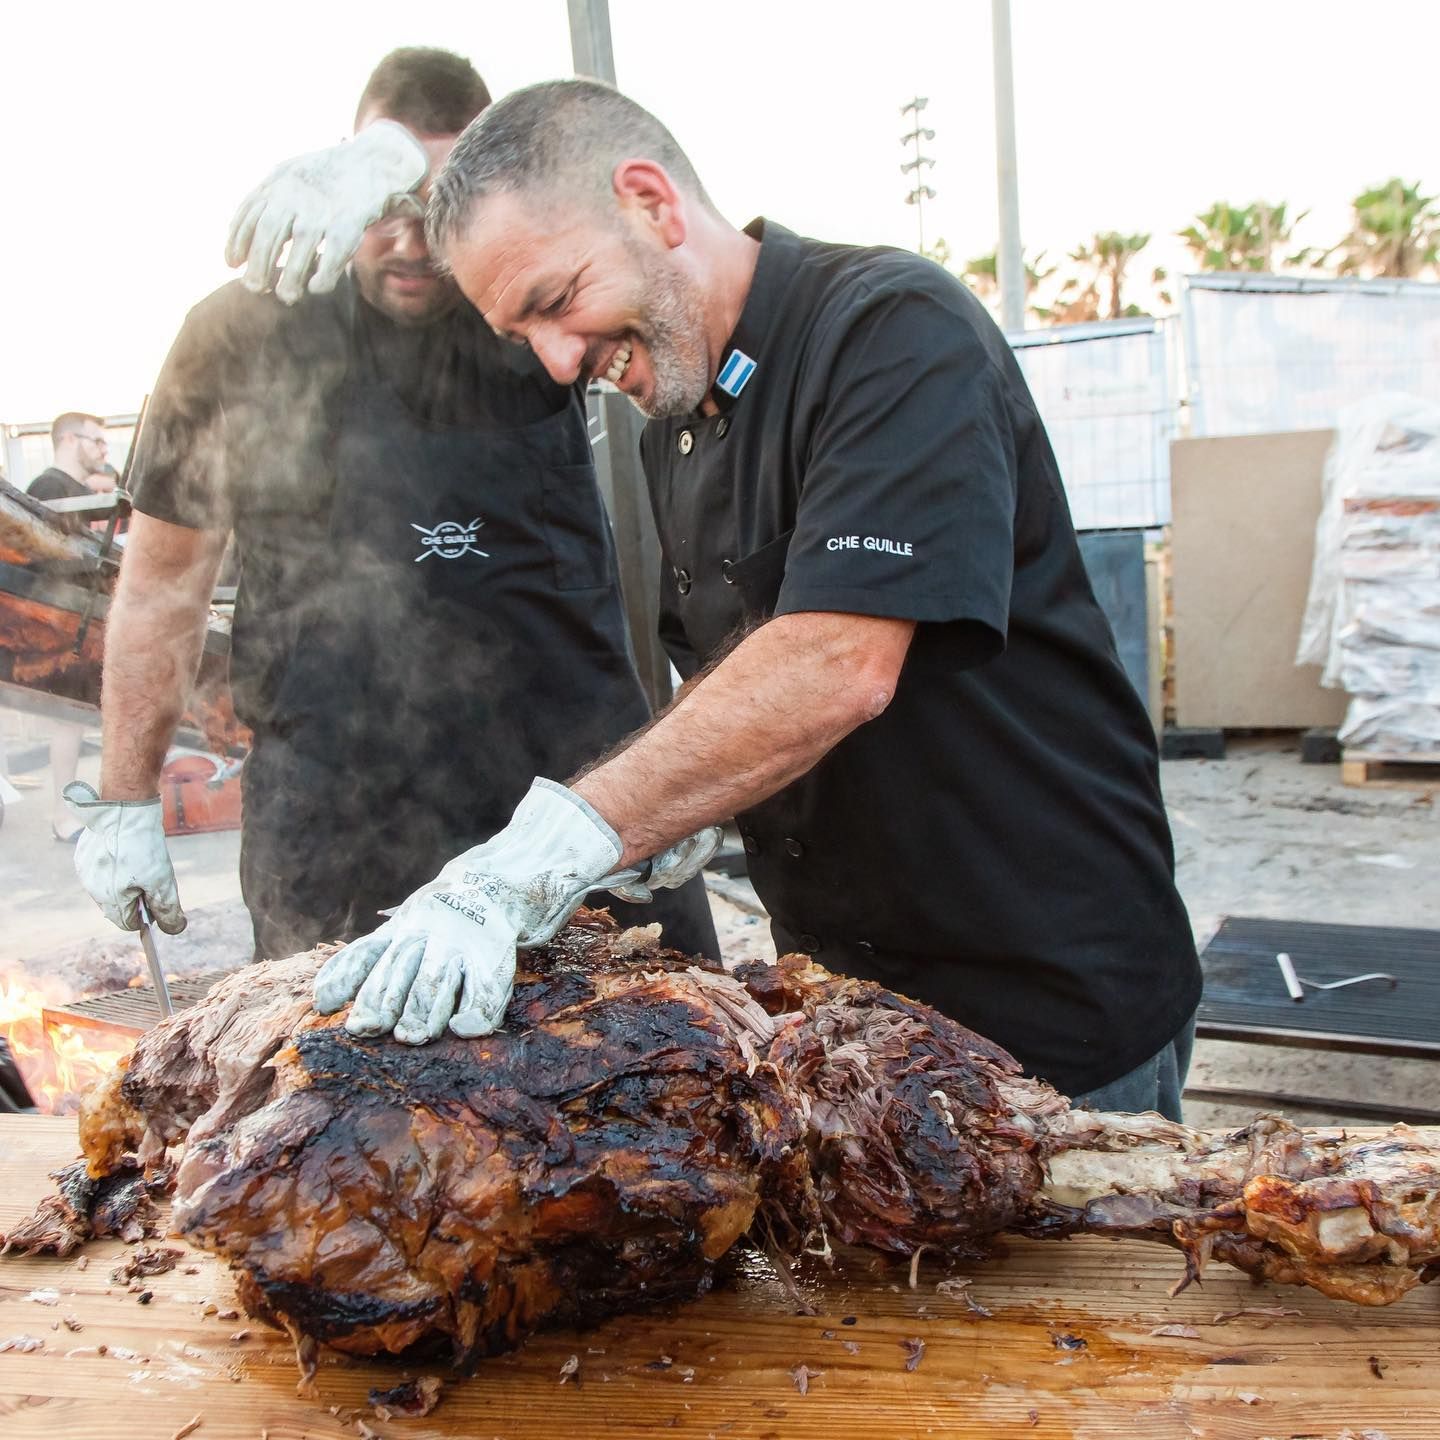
x=1244, y=534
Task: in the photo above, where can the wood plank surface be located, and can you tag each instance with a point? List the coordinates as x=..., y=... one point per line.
x=722, y=1366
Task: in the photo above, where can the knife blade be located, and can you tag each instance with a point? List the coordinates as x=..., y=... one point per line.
x=147, y=944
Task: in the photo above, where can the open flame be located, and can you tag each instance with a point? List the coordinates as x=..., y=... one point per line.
x=58, y=1061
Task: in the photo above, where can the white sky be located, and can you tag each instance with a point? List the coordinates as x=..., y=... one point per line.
x=129, y=133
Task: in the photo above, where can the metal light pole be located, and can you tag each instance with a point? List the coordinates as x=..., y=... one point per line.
x=590, y=39
x=615, y=427
x=922, y=192
x=1009, y=256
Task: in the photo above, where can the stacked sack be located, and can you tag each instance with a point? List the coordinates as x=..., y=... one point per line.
x=1373, y=617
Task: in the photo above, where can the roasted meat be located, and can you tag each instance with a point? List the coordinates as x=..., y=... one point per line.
x=641, y=1112
x=121, y=1203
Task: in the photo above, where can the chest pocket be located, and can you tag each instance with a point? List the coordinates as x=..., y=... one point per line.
x=759, y=575
x=577, y=530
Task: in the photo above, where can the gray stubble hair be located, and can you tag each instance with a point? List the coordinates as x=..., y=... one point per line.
x=558, y=142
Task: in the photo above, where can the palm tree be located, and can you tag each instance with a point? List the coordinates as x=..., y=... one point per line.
x=1243, y=237
x=1396, y=231
x=1106, y=258
x=982, y=275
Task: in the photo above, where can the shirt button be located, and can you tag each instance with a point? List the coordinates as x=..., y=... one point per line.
x=721, y=426
x=752, y=845
x=808, y=943
x=687, y=442
x=794, y=847
x=682, y=581
x=864, y=947
x=725, y=567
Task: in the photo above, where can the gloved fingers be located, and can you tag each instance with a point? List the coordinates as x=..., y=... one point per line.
x=485, y=996
x=432, y=997
x=163, y=902
x=123, y=914
x=341, y=243
x=271, y=233
x=549, y=925
x=341, y=976
x=636, y=892
x=242, y=227
x=385, y=990
x=304, y=242
x=686, y=858
x=128, y=908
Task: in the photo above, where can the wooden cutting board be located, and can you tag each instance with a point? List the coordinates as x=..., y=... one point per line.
x=1067, y=1352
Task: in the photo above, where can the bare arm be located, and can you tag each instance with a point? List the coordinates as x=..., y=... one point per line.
x=787, y=694
x=153, y=639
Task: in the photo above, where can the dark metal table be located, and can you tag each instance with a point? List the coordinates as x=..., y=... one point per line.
x=1245, y=999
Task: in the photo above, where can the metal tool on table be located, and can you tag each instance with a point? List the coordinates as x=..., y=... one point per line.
x=147, y=943
x=1296, y=983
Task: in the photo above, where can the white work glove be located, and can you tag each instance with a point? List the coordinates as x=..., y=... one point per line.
x=671, y=868
x=121, y=859
x=327, y=197
x=447, y=954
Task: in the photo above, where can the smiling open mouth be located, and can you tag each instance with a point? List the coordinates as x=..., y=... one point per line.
x=619, y=363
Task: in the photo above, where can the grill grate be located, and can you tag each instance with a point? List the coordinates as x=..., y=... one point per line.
x=134, y=1011
x=1245, y=996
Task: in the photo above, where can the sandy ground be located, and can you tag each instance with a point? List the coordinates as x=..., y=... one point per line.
x=1257, y=834
x=1260, y=834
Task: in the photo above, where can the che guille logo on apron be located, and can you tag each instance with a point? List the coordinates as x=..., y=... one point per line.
x=449, y=541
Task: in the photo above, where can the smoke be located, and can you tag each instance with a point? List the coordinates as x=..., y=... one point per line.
x=412, y=648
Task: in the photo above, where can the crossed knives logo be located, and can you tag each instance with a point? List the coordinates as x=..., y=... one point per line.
x=449, y=541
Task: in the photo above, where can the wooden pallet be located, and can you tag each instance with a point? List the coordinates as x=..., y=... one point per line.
x=1419, y=771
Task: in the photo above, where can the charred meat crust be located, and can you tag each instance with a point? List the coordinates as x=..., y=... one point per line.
x=640, y=1112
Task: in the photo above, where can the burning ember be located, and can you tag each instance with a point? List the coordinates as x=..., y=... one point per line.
x=58, y=1061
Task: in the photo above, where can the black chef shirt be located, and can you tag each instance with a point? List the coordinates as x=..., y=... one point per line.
x=54, y=484
x=241, y=428
x=995, y=842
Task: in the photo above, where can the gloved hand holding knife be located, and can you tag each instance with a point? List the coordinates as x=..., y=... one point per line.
x=447, y=954
x=121, y=859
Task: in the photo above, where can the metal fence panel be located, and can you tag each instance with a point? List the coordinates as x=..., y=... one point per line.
x=1107, y=395
x=1269, y=353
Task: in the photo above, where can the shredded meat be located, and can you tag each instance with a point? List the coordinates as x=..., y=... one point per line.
x=641, y=1112
x=86, y=1208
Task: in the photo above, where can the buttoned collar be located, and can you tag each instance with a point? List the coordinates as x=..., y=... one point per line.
x=742, y=357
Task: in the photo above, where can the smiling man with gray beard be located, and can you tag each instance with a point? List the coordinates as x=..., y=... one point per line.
x=902, y=684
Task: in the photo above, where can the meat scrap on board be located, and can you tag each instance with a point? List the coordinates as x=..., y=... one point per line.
x=641, y=1112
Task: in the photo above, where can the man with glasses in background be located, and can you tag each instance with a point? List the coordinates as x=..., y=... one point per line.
x=78, y=468
x=428, y=612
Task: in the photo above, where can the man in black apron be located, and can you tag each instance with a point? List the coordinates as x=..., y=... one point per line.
x=911, y=699
x=428, y=613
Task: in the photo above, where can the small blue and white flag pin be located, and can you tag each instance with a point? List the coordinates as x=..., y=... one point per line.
x=735, y=373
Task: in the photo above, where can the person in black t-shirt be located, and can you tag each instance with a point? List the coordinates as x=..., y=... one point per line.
x=79, y=468
x=427, y=612
x=902, y=684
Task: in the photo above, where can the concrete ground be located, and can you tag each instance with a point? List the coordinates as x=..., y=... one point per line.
x=1257, y=834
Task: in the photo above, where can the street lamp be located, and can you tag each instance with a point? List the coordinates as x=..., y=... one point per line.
x=921, y=192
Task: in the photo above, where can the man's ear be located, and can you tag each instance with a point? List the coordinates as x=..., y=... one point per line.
x=646, y=191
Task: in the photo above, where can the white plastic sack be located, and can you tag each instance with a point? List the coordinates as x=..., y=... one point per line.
x=1373, y=617
x=1387, y=726
x=1387, y=447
